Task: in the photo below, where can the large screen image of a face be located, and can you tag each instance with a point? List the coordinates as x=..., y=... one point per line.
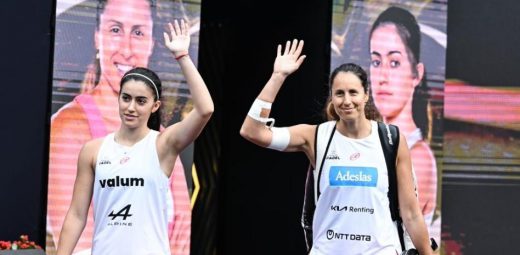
x=96, y=42
x=402, y=45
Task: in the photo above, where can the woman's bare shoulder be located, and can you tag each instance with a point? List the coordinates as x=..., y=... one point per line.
x=69, y=117
x=71, y=110
x=423, y=154
x=421, y=148
x=90, y=149
x=306, y=131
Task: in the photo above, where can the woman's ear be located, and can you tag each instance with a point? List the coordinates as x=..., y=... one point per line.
x=331, y=112
x=419, y=74
x=156, y=106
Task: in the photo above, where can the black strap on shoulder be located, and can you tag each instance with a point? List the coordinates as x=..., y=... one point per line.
x=323, y=160
x=316, y=141
x=389, y=137
x=309, y=204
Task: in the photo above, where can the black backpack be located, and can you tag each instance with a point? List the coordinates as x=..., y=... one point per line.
x=389, y=137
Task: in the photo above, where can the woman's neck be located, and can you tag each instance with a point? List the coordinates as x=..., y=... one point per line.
x=104, y=91
x=128, y=137
x=106, y=100
x=356, y=129
x=404, y=120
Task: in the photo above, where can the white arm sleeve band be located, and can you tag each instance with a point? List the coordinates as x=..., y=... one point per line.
x=281, y=138
x=256, y=109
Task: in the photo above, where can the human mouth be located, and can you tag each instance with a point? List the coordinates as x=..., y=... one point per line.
x=129, y=117
x=384, y=93
x=122, y=69
x=348, y=110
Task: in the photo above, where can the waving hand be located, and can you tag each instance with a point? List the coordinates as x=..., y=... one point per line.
x=178, y=41
x=290, y=60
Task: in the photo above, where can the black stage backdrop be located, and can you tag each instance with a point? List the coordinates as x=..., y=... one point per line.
x=481, y=179
x=260, y=191
x=27, y=44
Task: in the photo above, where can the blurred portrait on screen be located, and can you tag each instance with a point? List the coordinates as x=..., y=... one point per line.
x=96, y=42
x=403, y=45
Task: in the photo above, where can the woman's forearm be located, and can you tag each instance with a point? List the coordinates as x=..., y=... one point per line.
x=418, y=232
x=272, y=87
x=70, y=233
x=202, y=101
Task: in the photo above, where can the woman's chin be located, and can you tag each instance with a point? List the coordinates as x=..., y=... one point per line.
x=130, y=124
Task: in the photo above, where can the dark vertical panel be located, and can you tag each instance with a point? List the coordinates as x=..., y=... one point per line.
x=212, y=66
x=481, y=171
x=260, y=191
x=27, y=50
x=483, y=42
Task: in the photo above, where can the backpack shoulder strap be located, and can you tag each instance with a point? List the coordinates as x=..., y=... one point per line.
x=323, y=157
x=309, y=202
x=316, y=141
x=389, y=138
x=309, y=198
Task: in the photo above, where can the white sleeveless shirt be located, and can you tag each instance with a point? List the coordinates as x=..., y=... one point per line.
x=352, y=213
x=130, y=199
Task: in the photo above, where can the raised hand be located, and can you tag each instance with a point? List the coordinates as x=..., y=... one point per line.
x=178, y=42
x=290, y=60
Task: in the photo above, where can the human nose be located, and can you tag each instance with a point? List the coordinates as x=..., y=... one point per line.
x=383, y=74
x=347, y=100
x=131, y=106
x=125, y=47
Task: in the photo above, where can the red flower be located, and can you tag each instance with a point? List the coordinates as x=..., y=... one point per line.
x=5, y=245
x=23, y=243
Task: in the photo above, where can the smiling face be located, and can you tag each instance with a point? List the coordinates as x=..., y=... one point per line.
x=124, y=39
x=348, y=96
x=136, y=104
x=391, y=72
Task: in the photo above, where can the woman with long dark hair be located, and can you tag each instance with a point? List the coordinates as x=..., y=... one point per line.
x=397, y=78
x=124, y=39
x=126, y=173
x=354, y=172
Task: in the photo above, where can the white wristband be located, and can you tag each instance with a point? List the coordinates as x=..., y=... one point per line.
x=256, y=109
x=281, y=138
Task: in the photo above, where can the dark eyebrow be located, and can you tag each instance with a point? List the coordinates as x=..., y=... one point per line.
x=134, y=27
x=115, y=21
x=389, y=53
x=394, y=52
x=137, y=26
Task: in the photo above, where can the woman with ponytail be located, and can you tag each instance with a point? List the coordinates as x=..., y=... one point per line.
x=353, y=174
